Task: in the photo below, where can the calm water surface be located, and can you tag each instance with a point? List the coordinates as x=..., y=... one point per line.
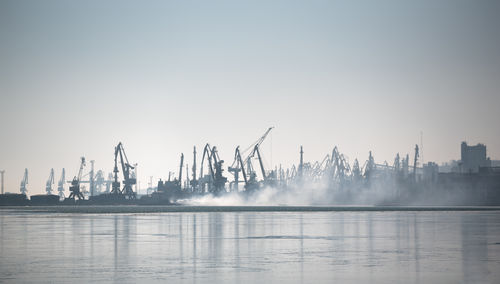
x=251, y=247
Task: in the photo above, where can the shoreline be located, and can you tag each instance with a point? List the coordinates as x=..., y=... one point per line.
x=127, y=209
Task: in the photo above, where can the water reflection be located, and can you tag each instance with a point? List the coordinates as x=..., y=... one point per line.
x=194, y=240
x=474, y=249
x=377, y=247
x=237, y=246
x=301, y=246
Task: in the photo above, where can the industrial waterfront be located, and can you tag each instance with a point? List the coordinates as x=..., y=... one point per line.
x=471, y=181
x=243, y=142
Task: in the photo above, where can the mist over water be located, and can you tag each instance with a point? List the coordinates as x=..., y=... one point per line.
x=379, y=192
x=297, y=195
x=267, y=196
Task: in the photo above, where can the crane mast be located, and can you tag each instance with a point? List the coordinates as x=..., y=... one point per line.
x=194, y=182
x=75, y=184
x=261, y=163
x=240, y=166
x=180, y=169
x=397, y=163
x=235, y=169
x=115, y=186
x=219, y=180
x=128, y=180
x=24, y=182
x=50, y=182
x=370, y=166
x=60, y=185
x=415, y=163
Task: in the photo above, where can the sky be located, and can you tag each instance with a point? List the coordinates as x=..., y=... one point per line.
x=78, y=77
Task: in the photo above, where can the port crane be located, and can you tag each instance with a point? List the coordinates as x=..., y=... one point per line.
x=320, y=167
x=99, y=182
x=179, y=181
x=397, y=164
x=75, y=183
x=206, y=153
x=24, y=182
x=50, y=182
x=235, y=169
x=415, y=161
x=238, y=166
x=217, y=180
x=128, y=179
x=356, y=171
x=60, y=185
x=194, y=181
x=369, y=166
x=341, y=171
x=96, y=181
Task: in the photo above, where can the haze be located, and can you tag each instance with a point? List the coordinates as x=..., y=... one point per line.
x=76, y=78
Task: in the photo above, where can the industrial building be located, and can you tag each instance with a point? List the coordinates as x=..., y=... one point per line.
x=473, y=157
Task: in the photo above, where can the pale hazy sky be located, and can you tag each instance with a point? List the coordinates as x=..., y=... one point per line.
x=77, y=77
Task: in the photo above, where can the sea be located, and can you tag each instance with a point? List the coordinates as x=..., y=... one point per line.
x=251, y=246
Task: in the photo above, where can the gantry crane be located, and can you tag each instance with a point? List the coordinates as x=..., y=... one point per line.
x=50, y=182
x=75, y=183
x=128, y=179
x=24, y=182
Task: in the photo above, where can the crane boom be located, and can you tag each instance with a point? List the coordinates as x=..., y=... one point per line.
x=207, y=153
x=237, y=157
x=261, y=163
x=245, y=165
x=260, y=140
